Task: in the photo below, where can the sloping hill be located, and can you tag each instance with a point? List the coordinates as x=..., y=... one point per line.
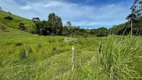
x=16, y=20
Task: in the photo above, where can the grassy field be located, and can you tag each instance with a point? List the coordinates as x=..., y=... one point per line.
x=24, y=56
x=16, y=20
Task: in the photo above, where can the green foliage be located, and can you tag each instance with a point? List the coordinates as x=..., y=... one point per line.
x=100, y=32
x=131, y=17
x=16, y=20
x=55, y=23
x=136, y=9
x=125, y=29
x=8, y=18
x=68, y=23
x=135, y=22
x=25, y=56
x=22, y=26
x=52, y=26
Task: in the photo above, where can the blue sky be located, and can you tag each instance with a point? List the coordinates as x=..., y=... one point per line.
x=83, y=13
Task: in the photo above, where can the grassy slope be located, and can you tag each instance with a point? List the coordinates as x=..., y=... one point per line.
x=14, y=23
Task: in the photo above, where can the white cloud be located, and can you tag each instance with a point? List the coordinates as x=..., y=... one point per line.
x=79, y=15
x=26, y=7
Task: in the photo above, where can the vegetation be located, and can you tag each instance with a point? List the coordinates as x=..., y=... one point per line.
x=134, y=25
x=15, y=21
x=125, y=29
x=26, y=56
x=8, y=18
x=100, y=54
x=100, y=32
x=2, y=27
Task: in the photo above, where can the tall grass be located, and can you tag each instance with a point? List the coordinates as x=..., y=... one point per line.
x=24, y=56
x=116, y=60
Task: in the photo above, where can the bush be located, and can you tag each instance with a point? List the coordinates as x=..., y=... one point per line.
x=19, y=44
x=100, y=32
x=22, y=26
x=9, y=13
x=8, y=18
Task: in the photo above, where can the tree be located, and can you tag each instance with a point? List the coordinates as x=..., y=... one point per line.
x=131, y=16
x=52, y=22
x=100, y=32
x=36, y=19
x=137, y=8
x=69, y=23
x=66, y=31
x=55, y=23
x=59, y=26
x=136, y=12
x=37, y=22
x=22, y=26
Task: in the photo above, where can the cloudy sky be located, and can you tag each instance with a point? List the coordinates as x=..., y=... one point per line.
x=83, y=13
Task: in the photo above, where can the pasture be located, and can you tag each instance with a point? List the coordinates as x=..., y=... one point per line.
x=25, y=56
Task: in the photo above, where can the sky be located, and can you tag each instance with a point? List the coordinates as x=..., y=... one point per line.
x=84, y=13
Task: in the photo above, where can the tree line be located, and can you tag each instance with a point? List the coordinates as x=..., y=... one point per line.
x=134, y=24
x=54, y=25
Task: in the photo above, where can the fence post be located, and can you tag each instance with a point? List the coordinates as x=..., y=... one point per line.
x=99, y=49
x=99, y=52
x=73, y=58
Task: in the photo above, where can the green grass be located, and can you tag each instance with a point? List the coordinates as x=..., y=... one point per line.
x=24, y=56
x=16, y=20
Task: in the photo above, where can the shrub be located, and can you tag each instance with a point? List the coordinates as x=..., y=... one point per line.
x=100, y=32
x=19, y=44
x=22, y=26
x=9, y=13
x=8, y=18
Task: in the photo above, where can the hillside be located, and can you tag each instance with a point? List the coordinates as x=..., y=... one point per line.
x=25, y=56
x=16, y=20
